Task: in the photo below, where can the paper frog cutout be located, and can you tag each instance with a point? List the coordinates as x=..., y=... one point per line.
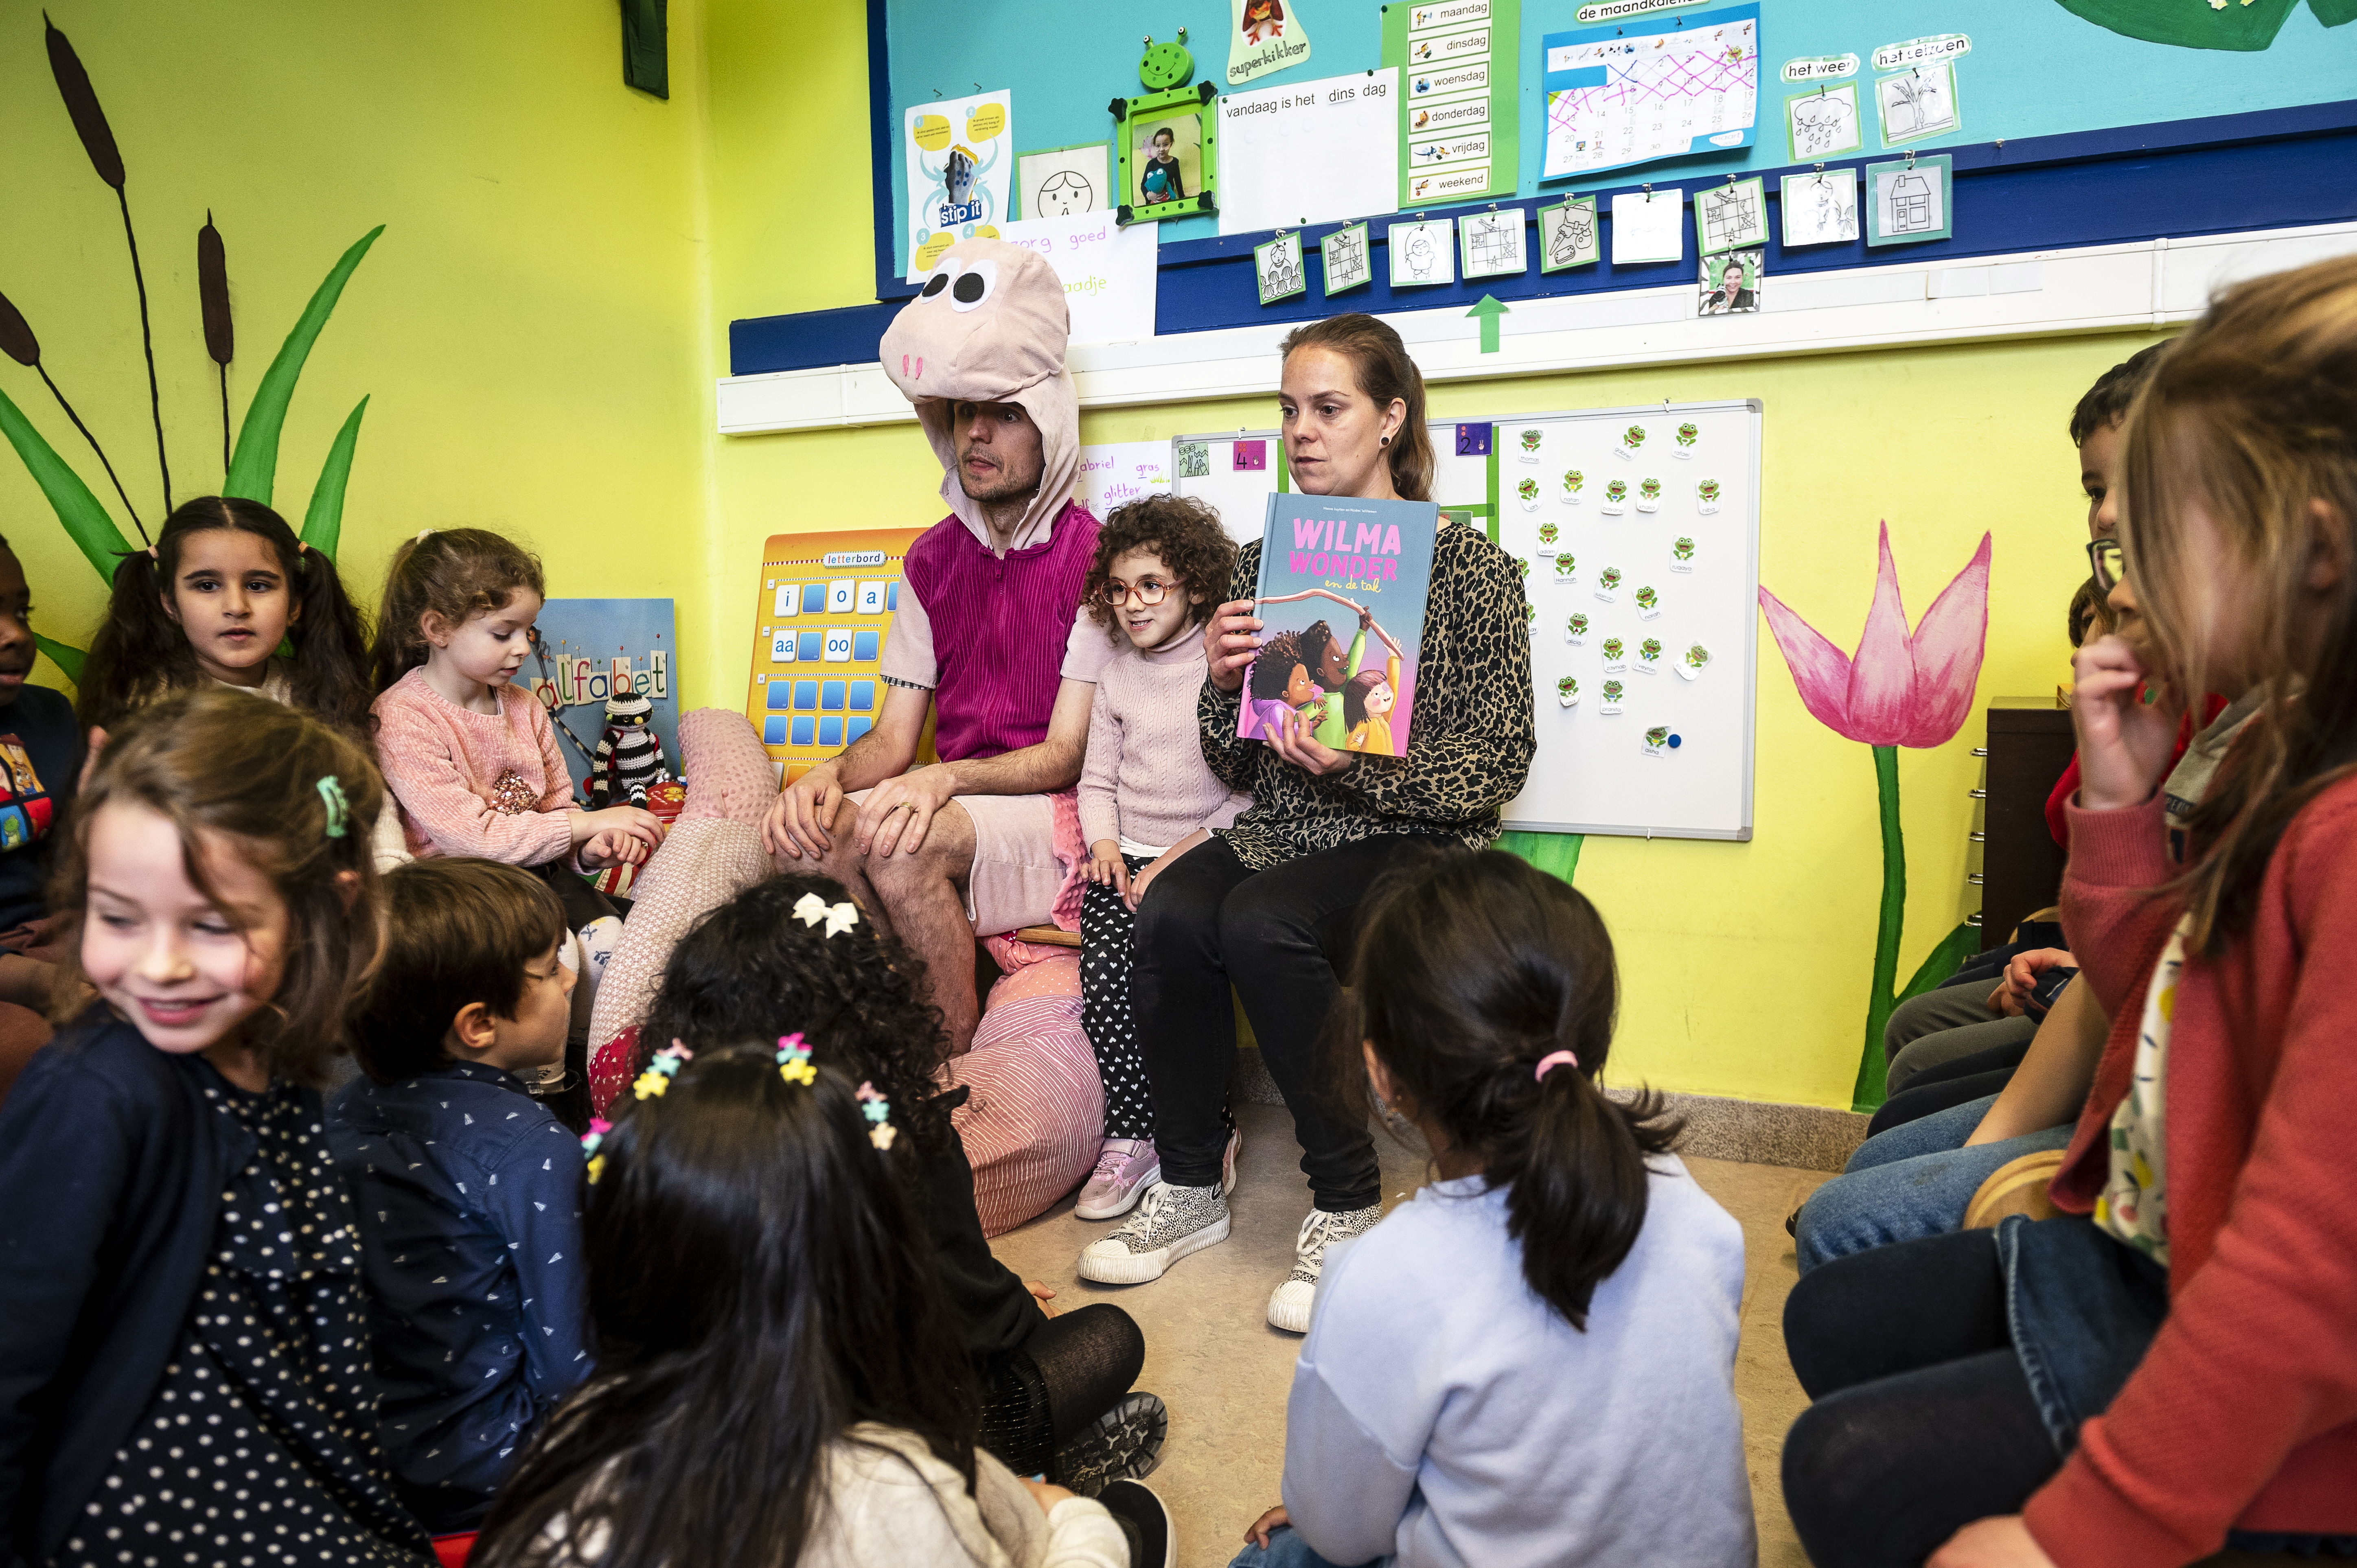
x=989, y=321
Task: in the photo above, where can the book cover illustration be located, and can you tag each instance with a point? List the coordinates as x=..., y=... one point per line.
x=1341, y=595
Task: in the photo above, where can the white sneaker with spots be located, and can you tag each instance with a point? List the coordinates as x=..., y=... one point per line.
x=1170, y=1222
x=1288, y=1305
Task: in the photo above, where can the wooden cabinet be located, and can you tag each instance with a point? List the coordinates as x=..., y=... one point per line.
x=2029, y=744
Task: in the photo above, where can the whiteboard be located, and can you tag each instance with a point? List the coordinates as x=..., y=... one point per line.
x=1592, y=773
x=1239, y=495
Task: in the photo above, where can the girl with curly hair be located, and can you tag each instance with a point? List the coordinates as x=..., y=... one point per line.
x=794, y=955
x=1145, y=796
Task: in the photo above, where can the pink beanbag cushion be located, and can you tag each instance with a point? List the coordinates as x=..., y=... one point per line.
x=713, y=850
x=1034, y=1120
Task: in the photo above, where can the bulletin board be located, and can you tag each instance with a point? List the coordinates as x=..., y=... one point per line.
x=1675, y=761
x=821, y=616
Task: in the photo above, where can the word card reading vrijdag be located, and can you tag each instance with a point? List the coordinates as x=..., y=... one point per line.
x=823, y=609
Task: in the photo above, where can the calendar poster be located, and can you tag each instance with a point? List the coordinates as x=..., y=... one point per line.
x=1642, y=90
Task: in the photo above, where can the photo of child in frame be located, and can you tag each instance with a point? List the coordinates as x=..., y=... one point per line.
x=1169, y=159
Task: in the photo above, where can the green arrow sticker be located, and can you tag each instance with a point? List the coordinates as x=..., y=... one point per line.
x=1487, y=312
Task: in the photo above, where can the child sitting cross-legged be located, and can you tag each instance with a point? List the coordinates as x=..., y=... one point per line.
x=1533, y=1361
x=780, y=1382
x=1145, y=796
x=469, y=1189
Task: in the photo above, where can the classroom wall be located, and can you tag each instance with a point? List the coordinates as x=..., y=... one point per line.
x=530, y=328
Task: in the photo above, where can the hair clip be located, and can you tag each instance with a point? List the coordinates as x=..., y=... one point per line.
x=599, y=1128
x=331, y=793
x=661, y=1071
x=809, y=909
x=877, y=1110
x=1553, y=1060
x=793, y=1061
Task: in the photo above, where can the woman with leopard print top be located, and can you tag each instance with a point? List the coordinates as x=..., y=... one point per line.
x=1269, y=906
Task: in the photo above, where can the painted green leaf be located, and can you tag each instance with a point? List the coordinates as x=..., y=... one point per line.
x=2333, y=13
x=2190, y=25
x=86, y=522
x=1557, y=855
x=323, y=525
x=65, y=658
x=253, y=468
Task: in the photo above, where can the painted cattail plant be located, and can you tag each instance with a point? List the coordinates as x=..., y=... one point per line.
x=250, y=455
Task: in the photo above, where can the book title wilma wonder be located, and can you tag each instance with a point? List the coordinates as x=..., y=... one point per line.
x=1343, y=585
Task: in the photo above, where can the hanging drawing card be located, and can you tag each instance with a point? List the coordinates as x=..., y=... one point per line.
x=1822, y=123
x=1907, y=200
x=1325, y=562
x=1277, y=267
x=1349, y=262
x=1058, y=182
x=1731, y=286
x=1568, y=235
x=1423, y=252
x=961, y=164
x=1634, y=92
x=1819, y=208
x=1649, y=226
x=1917, y=103
x=1731, y=216
x=1314, y=151
x=1494, y=244
x=1169, y=154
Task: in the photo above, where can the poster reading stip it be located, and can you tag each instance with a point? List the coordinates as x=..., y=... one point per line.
x=960, y=166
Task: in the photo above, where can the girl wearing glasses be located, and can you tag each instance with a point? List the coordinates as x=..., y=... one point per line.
x=1145, y=795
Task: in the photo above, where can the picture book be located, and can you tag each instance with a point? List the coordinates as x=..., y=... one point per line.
x=1343, y=587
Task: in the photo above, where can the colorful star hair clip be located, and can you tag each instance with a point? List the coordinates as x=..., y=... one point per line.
x=793, y=1061
x=877, y=1110
x=661, y=1071
x=599, y=1128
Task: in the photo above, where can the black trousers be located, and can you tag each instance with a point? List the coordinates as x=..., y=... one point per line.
x=1039, y=1395
x=1108, y=1010
x=1282, y=937
x=1923, y=1420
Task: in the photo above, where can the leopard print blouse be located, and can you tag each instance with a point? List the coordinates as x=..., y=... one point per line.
x=1471, y=741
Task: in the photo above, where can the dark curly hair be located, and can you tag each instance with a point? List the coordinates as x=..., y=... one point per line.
x=1272, y=666
x=1184, y=532
x=750, y=970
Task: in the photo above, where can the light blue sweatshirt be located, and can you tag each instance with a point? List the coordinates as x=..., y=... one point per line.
x=1443, y=1413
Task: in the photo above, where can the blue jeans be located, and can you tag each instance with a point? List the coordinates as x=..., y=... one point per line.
x=1913, y=1181
x=1286, y=1549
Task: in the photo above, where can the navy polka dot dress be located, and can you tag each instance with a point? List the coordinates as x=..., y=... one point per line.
x=259, y=1448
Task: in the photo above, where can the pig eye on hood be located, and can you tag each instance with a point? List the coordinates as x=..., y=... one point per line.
x=973, y=285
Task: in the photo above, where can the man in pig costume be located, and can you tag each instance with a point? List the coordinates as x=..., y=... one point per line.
x=989, y=635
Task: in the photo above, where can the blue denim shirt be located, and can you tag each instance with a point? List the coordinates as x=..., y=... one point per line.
x=469, y=1197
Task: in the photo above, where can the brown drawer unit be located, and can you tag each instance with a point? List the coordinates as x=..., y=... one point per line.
x=2029, y=744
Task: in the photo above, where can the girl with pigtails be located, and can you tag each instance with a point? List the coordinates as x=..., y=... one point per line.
x=1533, y=1360
x=225, y=587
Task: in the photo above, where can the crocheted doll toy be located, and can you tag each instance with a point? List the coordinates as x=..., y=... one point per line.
x=629, y=754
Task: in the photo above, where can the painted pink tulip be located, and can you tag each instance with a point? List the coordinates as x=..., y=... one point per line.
x=1899, y=688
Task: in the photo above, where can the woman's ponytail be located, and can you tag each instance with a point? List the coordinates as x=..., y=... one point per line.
x=1487, y=989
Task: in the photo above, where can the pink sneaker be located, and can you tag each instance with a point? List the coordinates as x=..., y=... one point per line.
x=1228, y=1162
x=1125, y=1167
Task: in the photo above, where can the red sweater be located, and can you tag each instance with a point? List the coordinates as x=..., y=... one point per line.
x=2245, y=1409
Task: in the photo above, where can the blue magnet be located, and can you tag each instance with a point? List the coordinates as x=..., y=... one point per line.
x=1673, y=743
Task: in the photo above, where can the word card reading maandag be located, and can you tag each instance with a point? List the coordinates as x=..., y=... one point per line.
x=823, y=610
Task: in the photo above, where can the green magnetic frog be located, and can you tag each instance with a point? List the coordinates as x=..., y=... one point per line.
x=1165, y=66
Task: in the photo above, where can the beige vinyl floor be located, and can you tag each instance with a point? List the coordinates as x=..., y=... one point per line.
x=1224, y=1372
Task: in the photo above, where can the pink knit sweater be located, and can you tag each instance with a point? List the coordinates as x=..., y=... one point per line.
x=469, y=783
x=1143, y=778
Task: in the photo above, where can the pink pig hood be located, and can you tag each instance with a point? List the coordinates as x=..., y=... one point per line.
x=990, y=325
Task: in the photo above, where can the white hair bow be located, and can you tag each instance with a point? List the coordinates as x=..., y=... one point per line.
x=810, y=908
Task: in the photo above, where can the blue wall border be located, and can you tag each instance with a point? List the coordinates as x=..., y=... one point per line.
x=2273, y=168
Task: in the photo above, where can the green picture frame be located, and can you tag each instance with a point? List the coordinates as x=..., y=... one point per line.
x=1184, y=113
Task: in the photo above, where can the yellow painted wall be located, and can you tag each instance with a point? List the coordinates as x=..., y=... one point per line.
x=540, y=324
x=531, y=326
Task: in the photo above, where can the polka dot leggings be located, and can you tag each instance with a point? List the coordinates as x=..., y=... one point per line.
x=1108, y=956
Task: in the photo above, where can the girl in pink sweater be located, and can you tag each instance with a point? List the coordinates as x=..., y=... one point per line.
x=473, y=759
x=1145, y=796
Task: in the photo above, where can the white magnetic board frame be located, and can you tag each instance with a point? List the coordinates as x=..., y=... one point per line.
x=1239, y=496
x=1591, y=774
